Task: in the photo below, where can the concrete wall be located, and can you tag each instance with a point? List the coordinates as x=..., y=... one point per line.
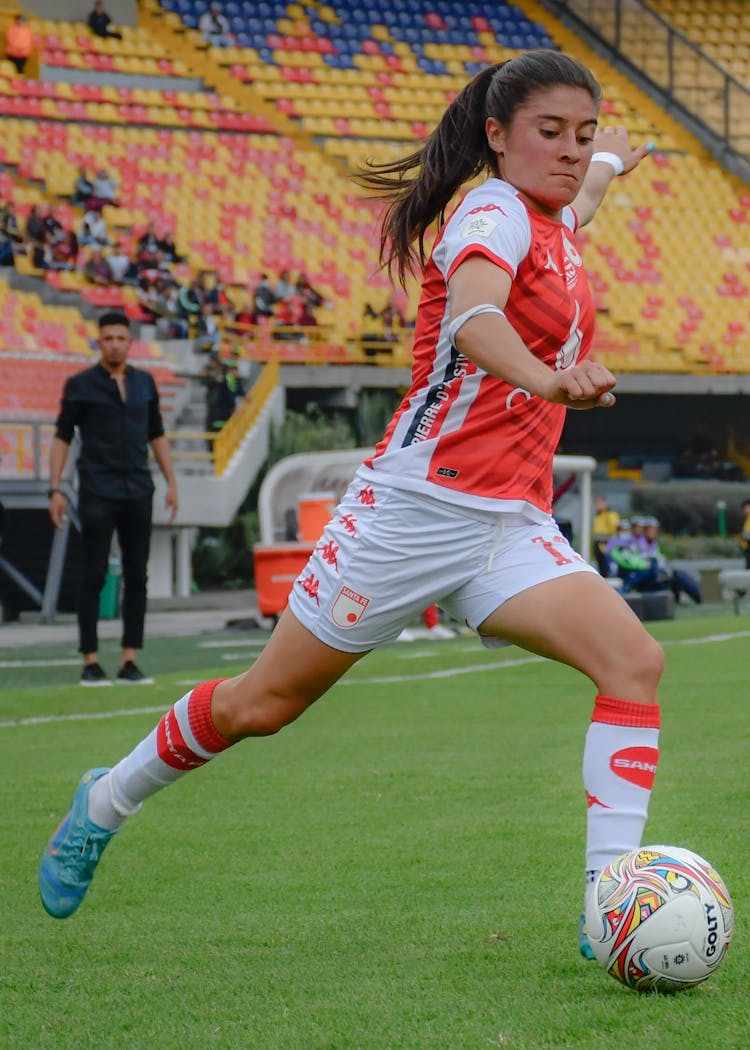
x=123, y=12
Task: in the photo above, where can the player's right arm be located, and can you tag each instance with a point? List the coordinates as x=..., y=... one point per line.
x=490, y=341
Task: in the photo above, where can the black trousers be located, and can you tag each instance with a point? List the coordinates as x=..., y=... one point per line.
x=99, y=519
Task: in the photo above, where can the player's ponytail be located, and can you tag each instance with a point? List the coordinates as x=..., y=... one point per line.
x=458, y=150
x=455, y=152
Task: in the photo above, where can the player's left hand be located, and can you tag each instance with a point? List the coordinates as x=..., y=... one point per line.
x=615, y=140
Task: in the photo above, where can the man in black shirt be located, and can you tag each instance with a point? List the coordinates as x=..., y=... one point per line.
x=99, y=22
x=116, y=410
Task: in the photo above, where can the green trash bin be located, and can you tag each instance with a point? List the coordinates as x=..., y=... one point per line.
x=109, y=596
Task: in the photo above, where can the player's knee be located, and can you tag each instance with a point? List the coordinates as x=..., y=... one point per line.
x=644, y=662
x=261, y=716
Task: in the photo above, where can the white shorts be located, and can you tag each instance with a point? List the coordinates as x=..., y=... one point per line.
x=387, y=554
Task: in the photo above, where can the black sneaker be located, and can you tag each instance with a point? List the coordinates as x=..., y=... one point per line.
x=94, y=674
x=130, y=674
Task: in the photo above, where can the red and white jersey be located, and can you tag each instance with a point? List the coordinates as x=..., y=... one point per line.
x=461, y=434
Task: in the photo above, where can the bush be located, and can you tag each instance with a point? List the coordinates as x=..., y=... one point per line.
x=691, y=507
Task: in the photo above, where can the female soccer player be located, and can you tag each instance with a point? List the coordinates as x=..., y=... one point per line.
x=454, y=504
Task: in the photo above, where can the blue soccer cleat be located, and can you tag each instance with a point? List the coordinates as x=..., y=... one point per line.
x=72, y=854
x=584, y=945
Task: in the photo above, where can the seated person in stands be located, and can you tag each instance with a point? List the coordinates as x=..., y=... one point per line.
x=96, y=269
x=214, y=27
x=264, y=299
x=121, y=267
x=666, y=575
x=310, y=298
x=216, y=300
x=93, y=229
x=624, y=559
x=99, y=22
x=103, y=190
x=36, y=235
x=11, y=239
x=148, y=247
x=83, y=188
x=244, y=316
x=61, y=250
x=168, y=248
x=284, y=288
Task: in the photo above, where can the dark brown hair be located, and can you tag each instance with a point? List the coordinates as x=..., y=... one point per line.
x=457, y=150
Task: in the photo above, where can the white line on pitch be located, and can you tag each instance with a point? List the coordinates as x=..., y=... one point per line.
x=381, y=680
x=40, y=663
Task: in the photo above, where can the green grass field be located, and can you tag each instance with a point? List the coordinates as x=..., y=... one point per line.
x=399, y=870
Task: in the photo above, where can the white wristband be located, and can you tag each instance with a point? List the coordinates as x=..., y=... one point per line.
x=612, y=159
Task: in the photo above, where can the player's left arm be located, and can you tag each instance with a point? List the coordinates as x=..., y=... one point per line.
x=602, y=173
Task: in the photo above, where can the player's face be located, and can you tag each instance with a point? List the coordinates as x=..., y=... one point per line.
x=114, y=343
x=546, y=149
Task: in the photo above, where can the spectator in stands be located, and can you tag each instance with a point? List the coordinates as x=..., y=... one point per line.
x=192, y=297
x=11, y=238
x=264, y=299
x=103, y=190
x=166, y=245
x=148, y=248
x=284, y=288
x=216, y=301
x=745, y=537
x=35, y=229
x=83, y=188
x=225, y=389
x=93, y=229
x=604, y=528
x=311, y=299
x=96, y=269
x=244, y=316
x=156, y=296
x=36, y=235
x=214, y=27
x=19, y=42
x=627, y=561
x=61, y=250
x=121, y=267
x=100, y=23
x=665, y=574
x=115, y=408
x=454, y=504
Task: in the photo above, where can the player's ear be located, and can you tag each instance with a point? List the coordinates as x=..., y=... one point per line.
x=495, y=134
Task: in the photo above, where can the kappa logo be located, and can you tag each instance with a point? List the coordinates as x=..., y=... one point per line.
x=348, y=608
x=636, y=765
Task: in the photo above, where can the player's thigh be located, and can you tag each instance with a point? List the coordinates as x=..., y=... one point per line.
x=294, y=669
x=581, y=621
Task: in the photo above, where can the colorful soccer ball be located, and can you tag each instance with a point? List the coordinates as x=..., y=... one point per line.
x=659, y=919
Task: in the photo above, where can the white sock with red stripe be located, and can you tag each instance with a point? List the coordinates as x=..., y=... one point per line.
x=184, y=739
x=619, y=762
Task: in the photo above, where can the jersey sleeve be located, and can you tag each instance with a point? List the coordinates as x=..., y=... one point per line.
x=499, y=231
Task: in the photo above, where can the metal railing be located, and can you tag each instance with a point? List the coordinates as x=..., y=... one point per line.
x=674, y=64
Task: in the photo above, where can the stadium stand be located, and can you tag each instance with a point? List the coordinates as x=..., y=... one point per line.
x=245, y=152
